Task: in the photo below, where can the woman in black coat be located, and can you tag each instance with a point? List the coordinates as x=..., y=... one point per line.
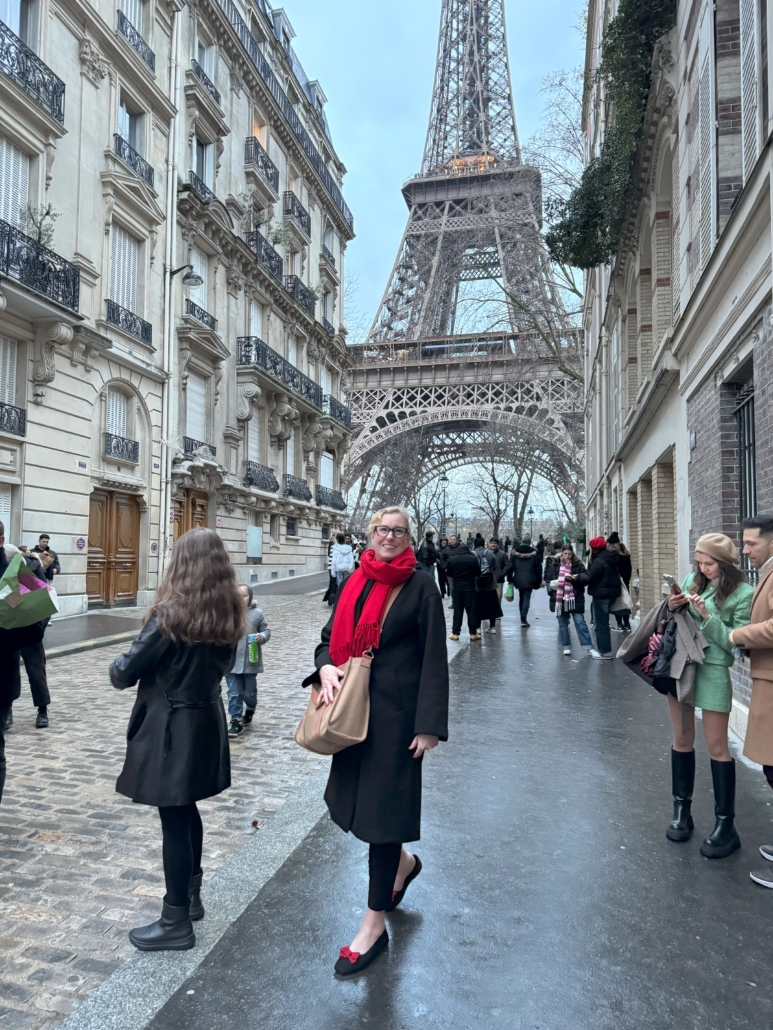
x=374, y=790
x=604, y=587
x=566, y=566
x=177, y=750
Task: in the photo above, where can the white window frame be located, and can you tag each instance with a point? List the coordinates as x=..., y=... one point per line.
x=196, y=421
x=117, y=423
x=14, y=183
x=200, y=262
x=8, y=370
x=327, y=470
x=124, y=269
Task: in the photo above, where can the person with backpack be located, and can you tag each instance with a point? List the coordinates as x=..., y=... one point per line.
x=341, y=560
x=177, y=740
x=487, y=604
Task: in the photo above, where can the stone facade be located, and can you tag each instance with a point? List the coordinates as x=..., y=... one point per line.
x=174, y=355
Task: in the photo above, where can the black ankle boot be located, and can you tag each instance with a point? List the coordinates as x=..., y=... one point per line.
x=197, y=907
x=682, y=782
x=172, y=932
x=723, y=839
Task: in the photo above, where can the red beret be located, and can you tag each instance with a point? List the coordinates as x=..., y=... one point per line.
x=598, y=543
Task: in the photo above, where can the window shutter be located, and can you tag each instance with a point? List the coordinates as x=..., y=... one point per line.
x=133, y=11
x=200, y=264
x=256, y=319
x=750, y=122
x=292, y=350
x=326, y=470
x=7, y=371
x=5, y=506
x=123, y=271
x=196, y=408
x=290, y=454
x=14, y=183
x=253, y=438
x=707, y=137
x=116, y=412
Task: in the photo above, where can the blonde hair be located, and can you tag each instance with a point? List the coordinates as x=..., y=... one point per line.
x=395, y=509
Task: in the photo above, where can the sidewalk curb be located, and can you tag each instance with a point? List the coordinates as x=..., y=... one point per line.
x=90, y=645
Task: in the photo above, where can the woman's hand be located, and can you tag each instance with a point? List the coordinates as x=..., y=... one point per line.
x=422, y=742
x=678, y=600
x=330, y=677
x=700, y=606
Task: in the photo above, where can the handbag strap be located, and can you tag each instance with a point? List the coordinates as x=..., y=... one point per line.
x=391, y=600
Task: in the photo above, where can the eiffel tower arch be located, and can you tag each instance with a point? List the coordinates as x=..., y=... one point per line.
x=452, y=353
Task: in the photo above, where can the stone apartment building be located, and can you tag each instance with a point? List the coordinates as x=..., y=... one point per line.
x=679, y=358
x=172, y=350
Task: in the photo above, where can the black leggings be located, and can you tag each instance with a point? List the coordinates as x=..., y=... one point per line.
x=183, y=837
x=383, y=860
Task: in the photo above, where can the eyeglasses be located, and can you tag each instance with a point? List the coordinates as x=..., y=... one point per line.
x=398, y=532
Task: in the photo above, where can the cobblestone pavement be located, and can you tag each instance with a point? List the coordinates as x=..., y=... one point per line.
x=79, y=864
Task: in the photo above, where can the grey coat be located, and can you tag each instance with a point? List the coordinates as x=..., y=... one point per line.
x=256, y=623
x=690, y=645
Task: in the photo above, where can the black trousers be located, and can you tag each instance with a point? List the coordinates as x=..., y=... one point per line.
x=442, y=582
x=3, y=714
x=34, y=658
x=383, y=861
x=183, y=838
x=464, y=601
x=524, y=602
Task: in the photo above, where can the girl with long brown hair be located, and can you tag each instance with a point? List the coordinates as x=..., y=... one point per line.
x=177, y=750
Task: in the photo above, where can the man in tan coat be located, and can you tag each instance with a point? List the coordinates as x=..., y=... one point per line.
x=757, y=639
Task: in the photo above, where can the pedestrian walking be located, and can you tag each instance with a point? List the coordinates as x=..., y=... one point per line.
x=342, y=561
x=487, y=604
x=374, y=790
x=540, y=549
x=525, y=573
x=43, y=546
x=426, y=555
x=604, y=586
x=177, y=750
x=454, y=546
x=498, y=562
x=508, y=542
x=242, y=680
x=756, y=640
x=566, y=578
x=33, y=656
x=463, y=570
x=442, y=577
x=625, y=568
x=329, y=595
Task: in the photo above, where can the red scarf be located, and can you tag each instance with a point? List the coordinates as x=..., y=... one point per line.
x=345, y=643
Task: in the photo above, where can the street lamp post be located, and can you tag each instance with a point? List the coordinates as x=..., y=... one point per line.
x=530, y=513
x=444, y=483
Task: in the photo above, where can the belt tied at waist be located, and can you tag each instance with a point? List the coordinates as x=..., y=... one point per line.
x=175, y=704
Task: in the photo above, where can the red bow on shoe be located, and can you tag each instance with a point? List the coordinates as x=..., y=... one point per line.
x=348, y=953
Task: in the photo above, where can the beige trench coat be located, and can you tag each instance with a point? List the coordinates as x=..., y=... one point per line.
x=757, y=638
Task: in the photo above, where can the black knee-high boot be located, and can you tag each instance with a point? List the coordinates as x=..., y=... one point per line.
x=682, y=782
x=723, y=839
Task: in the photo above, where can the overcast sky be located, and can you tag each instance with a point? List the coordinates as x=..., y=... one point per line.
x=375, y=60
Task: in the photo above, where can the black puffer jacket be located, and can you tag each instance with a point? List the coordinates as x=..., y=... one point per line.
x=525, y=569
x=604, y=576
x=552, y=569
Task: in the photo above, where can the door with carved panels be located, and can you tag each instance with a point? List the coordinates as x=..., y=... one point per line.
x=113, y=558
x=191, y=511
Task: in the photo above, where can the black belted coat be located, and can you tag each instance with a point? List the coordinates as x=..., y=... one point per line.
x=177, y=750
x=374, y=789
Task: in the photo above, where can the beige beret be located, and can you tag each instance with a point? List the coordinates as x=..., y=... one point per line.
x=719, y=547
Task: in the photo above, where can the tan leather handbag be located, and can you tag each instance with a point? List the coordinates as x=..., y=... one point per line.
x=327, y=729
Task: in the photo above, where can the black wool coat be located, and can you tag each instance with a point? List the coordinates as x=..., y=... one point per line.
x=177, y=750
x=525, y=569
x=374, y=789
x=552, y=569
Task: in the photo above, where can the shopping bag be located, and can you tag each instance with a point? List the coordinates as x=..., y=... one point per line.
x=24, y=598
x=509, y=592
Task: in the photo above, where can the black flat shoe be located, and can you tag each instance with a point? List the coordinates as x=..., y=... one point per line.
x=352, y=961
x=397, y=896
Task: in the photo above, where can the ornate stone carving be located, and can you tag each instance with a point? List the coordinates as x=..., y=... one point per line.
x=44, y=361
x=282, y=417
x=310, y=430
x=247, y=394
x=234, y=280
x=93, y=64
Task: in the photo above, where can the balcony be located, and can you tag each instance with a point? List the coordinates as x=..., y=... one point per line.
x=328, y=327
x=327, y=254
x=253, y=351
x=328, y=498
x=300, y=293
x=335, y=409
x=129, y=323
x=297, y=488
x=206, y=82
x=294, y=209
x=200, y=188
x=256, y=157
x=38, y=268
x=13, y=420
x=260, y=476
x=201, y=315
x=191, y=446
x=120, y=449
x=266, y=254
x=135, y=41
x=133, y=160
x=36, y=79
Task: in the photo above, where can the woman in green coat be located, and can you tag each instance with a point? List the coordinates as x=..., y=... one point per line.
x=720, y=600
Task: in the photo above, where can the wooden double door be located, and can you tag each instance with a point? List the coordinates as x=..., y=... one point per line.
x=113, y=558
x=191, y=511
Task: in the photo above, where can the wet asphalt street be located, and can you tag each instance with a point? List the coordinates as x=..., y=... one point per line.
x=550, y=897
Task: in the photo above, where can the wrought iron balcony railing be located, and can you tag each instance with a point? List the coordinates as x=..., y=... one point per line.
x=135, y=41
x=201, y=315
x=328, y=498
x=205, y=80
x=121, y=449
x=335, y=409
x=30, y=74
x=13, y=420
x=265, y=253
x=201, y=188
x=135, y=161
x=298, y=488
x=301, y=293
x=38, y=268
x=294, y=209
x=328, y=327
x=327, y=254
x=253, y=351
x=191, y=446
x=260, y=476
x=256, y=156
x=129, y=323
